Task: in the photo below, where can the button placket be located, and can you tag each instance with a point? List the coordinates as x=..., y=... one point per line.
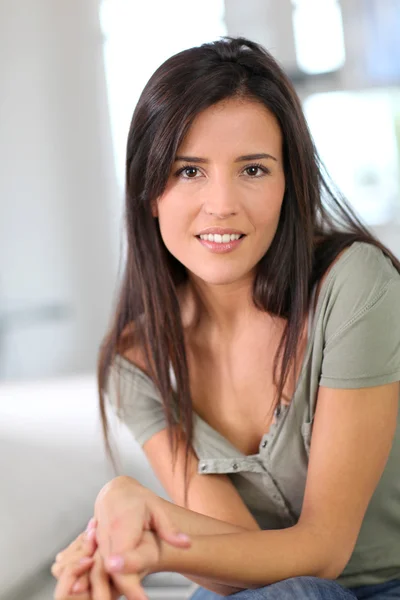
x=230, y=465
x=266, y=443
x=275, y=494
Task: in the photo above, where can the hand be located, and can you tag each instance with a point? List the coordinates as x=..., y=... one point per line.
x=82, y=551
x=130, y=517
x=70, y=574
x=124, y=509
x=82, y=547
x=129, y=569
x=92, y=568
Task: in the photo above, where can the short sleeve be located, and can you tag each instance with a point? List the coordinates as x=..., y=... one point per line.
x=135, y=400
x=362, y=343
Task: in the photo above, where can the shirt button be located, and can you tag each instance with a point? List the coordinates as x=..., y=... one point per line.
x=234, y=466
x=264, y=443
x=204, y=467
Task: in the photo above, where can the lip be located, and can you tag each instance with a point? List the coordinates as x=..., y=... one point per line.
x=220, y=230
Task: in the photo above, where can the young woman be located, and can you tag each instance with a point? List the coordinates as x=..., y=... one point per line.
x=254, y=354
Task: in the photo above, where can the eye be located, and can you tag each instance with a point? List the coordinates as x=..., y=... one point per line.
x=189, y=171
x=253, y=169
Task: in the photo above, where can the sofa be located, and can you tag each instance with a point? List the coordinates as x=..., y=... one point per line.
x=52, y=464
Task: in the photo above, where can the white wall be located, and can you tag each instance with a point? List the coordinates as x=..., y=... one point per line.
x=57, y=186
x=59, y=200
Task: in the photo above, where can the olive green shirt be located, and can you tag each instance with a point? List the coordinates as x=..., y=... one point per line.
x=353, y=342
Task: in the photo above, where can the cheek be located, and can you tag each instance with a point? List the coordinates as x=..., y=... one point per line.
x=266, y=211
x=174, y=222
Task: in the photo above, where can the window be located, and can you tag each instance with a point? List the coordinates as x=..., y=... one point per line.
x=139, y=36
x=318, y=35
x=355, y=134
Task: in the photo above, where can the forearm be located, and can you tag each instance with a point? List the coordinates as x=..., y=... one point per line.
x=250, y=559
x=188, y=521
x=194, y=523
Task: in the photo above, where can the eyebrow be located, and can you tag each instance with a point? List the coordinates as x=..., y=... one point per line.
x=238, y=159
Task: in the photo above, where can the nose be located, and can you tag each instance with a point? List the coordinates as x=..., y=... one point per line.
x=221, y=200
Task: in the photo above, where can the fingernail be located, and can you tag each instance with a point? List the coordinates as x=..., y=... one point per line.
x=182, y=537
x=91, y=524
x=76, y=587
x=85, y=561
x=115, y=563
x=90, y=534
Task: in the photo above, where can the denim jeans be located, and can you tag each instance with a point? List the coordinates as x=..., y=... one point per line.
x=309, y=588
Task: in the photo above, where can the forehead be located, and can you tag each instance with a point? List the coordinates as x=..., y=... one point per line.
x=234, y=123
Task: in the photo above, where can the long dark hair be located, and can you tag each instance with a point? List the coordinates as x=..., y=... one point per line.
x=315, y=225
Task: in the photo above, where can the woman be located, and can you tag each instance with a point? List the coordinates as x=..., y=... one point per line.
x=254, y=354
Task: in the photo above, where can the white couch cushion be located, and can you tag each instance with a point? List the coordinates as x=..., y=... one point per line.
x=52, y=464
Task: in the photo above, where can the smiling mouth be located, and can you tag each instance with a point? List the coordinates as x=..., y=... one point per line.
x=225, y=238
x=221, y=243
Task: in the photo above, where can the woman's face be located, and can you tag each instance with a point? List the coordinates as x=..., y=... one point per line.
x=216, y=187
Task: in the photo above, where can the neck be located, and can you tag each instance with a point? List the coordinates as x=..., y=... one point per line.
x=223, y=309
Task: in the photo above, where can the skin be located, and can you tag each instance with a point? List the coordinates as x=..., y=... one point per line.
x=229, y=194
x=349, y=446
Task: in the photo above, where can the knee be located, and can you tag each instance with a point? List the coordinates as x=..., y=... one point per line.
x=301, y=588
x=310, y=588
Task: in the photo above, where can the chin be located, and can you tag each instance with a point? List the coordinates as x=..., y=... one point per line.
x=220, y=276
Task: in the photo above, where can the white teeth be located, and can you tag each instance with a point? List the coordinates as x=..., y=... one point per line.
x=220, y=239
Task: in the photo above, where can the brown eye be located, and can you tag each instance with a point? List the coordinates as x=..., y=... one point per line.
x=189, y=171
x=252, y=171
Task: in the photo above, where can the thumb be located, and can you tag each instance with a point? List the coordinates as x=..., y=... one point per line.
x=129, y=563
x=166, y=531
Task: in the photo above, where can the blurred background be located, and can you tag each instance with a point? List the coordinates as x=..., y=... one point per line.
x=71, y=72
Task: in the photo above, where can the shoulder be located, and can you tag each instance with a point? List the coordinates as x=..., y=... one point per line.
x=128, y=370
x=130, y=354
x=364, y=264
x=360, y=277
x=358, y=327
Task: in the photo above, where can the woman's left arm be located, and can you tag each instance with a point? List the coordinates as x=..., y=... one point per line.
x=352, y=436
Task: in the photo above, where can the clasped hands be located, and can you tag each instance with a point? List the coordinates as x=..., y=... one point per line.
x=121, y=545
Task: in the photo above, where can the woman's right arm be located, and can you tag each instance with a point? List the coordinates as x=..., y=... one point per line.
x=116, y=494
x=214, y=505
x=188, y=521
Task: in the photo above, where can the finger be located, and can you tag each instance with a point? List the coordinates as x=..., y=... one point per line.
x=68, y=578
x=85, y=542
x=115, y=595
x=73, y=557
x=89, y=543
x=130, y=587
x=82, y=584
x=92, y=524
x=165, y=530
x=58, y=568
x=100, y=581
x=72, y=547
x=131, y=562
